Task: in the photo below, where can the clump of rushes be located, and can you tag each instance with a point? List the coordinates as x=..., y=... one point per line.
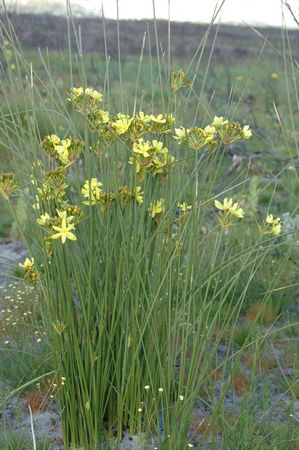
x=120, y=234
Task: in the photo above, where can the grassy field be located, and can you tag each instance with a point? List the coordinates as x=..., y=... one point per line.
x=171, y=319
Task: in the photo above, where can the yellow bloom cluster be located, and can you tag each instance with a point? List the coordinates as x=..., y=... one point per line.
x=184, y=207
x=179, y=80
x=91, y=190
x=95, y=195
x=65, y=151
x=151, y=156
x=50, y=186
x=146, y=135
x=109, y=127
x=88, y=97
x=273, y=226
x=63, y=223
x=125, y=194
x=7, y=184
x=198, y=138
x=229, y=211
x=30, y=273
x=220, y=131
x=157, y=207
x=121, y=123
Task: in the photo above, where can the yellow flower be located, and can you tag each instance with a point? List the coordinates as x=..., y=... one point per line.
x=158, y=147
x=103, y=115
x=95, y=95
x=157, y=207
x=275, y=225
x=43, y=220
x=30, y=274
x=170, y=119
x=134, y=161
x=184, y=207
x=64, y=232
x=181, y=134
x=236, y=211
x=27, y=264
x=142, y=148
x=219, y=121
x=276, y=229
x=7, y=184
x=62, y=150
x=143, y=117
x=209, y=133
x=76, y=92
x=274, y=76
x=138, y=194
x=53, y=139
x=225, y=206
x=270, y=219
x=92, y=191
x=63, y=215
x=158, y=119
x=246, y=132
x=122, y=123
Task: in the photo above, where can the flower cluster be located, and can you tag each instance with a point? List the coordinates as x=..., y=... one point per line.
x=51, y=188
x=30, y=273
x=92, y=191
x=7, y=184
x=95, y=195
x=229, y=211
x=219, y=132
x=151, y=156
x=65, y=151
x=157, y=207
x=125, y=194
x=145, y=136
x=109, y=127
x=85, y=99
x=179, y=80
x=273, y=226
x=184, y=207
x=62, y=224
x=130, y=128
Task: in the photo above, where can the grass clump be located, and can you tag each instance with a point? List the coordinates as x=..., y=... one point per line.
x=146, y=248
